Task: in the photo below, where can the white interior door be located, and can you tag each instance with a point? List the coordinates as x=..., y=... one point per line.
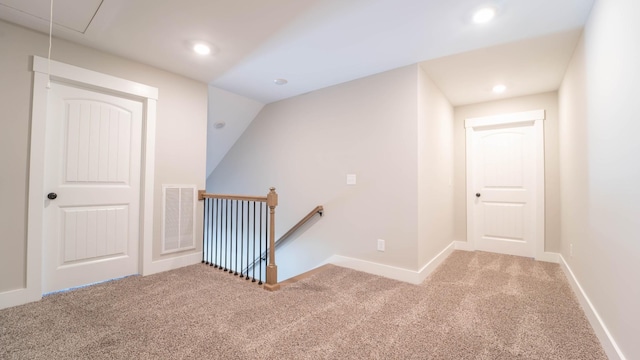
x=503, y=188
x=92, y=165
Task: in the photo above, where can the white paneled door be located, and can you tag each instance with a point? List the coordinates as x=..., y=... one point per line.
x=503, y=188
x=92, y=177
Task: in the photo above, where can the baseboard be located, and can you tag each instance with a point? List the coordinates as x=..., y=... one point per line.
x=608, y=343
x=17, y=297
x=392, y=272
x=546, y=256
x=13, y=298
x=430, y=266
x=549, y=257
x=21, y=296
x=463, y=245
x=172, y=263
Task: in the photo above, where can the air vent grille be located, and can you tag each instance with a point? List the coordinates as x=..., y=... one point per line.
x=178, y=227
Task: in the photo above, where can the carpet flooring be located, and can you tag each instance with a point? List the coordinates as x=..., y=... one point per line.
x=474, y=306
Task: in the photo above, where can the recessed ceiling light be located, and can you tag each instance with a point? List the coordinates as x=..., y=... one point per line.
x=280, y=81
x=219, y=125
x=202, y=49
x=484, y=15
x=499, y=89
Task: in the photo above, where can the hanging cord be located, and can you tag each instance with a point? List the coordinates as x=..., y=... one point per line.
x=49, y=56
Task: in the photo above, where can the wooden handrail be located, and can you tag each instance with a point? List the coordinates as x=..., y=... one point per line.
x=272, y=201
x=317, y=210
x=202, y=195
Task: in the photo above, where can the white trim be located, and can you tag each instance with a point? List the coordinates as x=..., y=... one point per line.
x=430, y=266
x=370, y=267
x=94, y=80
x=14, y=298
x=545, y=257
x=606, y=339
x=549, y=257
x=470, y=188
x=505, y=119
x=392, y=272
x=172, y=263
x=463, y=245
x=69, y=73
x=538, y=127
x=33, y=286
x=148, y=179
x=535, y=118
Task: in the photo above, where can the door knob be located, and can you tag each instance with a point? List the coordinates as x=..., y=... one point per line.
x=52, y=196
x=477, y=194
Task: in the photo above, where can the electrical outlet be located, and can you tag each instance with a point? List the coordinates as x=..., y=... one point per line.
x=571, y=250
x=380, y=245
x=351, y=179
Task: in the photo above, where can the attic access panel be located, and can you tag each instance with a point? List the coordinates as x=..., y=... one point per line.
x=71, y=14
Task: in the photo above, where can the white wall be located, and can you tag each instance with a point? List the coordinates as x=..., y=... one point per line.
x=237, y=112
x=435, y=169
x=305, y=146
x=393, y=130
x=548, y=102
x=600, y=173
x=180, y=133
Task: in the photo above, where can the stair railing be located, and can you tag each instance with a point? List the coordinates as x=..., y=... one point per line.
x=236, y=229
x=318, y=210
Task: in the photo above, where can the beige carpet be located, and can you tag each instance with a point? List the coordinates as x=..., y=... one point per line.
x=474, y=306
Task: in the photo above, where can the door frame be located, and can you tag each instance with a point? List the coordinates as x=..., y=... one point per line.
x=534, y=118
x=69, y=74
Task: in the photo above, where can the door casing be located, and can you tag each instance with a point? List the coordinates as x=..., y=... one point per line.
x=535, y=118
x=64, y=73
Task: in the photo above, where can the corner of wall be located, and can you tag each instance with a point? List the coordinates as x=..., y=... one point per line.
x=393, y=272
x=435, y=124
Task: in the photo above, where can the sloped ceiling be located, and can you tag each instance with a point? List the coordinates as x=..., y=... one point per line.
x=318, y=43
x=234, y=113
x=311, y=43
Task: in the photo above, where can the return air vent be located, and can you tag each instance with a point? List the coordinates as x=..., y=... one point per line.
x=178, y=222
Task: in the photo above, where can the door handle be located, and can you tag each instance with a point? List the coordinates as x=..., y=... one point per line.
x=478, y=195
x=52, y=196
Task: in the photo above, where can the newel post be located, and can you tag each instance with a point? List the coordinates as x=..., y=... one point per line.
x=272, y=268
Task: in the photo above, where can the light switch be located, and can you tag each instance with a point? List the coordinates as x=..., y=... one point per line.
x=351, y=179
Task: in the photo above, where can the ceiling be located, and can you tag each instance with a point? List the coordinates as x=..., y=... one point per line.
x=319, y=43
